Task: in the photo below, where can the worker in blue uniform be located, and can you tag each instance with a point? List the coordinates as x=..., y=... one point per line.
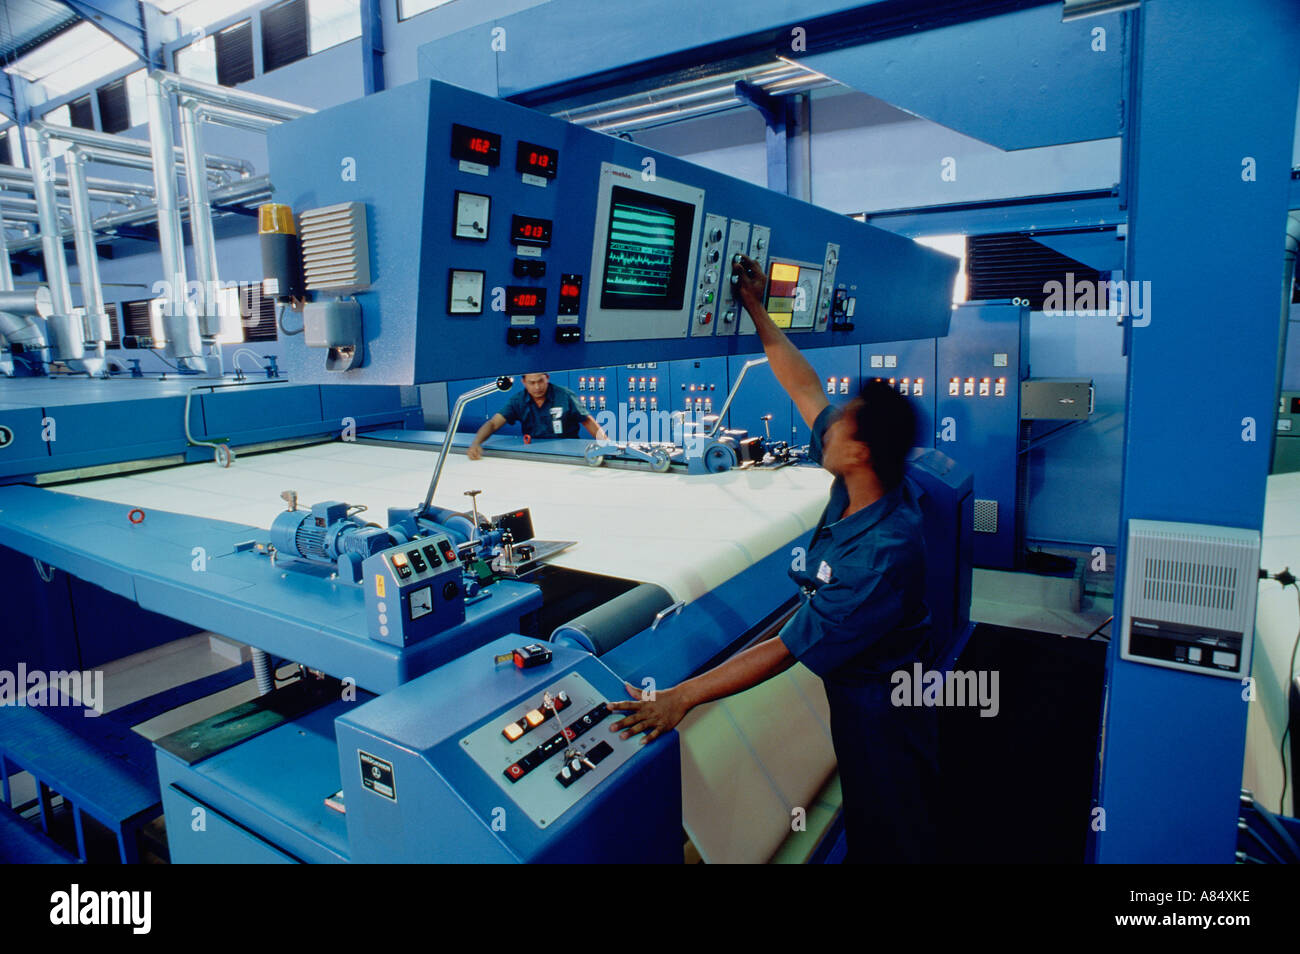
x=862, y=617
x=543, y=410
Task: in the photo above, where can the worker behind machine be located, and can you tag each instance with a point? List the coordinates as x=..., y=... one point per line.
x=544, y=410
x=862, y=616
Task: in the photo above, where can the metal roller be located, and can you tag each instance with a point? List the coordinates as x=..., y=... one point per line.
x=613, y=623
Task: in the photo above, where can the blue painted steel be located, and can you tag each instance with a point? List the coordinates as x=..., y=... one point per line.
x=448, y=809
x=534, y=48
x=258, y=812
x=65, y=424
x=1028, y=214
x=372, y=47
x=120, y=19
x=1049, y=84
x=400, y=140
x=1174, y=742
x=910, y=365
x=981, y=431
x=298, y=615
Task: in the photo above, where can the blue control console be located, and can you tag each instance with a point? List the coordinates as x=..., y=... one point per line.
x=496, y=238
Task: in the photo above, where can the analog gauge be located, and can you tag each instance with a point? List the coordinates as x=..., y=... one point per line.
x=472, y=216
x=421, y=602
x=465, y=292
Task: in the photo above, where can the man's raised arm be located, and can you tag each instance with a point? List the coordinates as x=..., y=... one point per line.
x=791, y=368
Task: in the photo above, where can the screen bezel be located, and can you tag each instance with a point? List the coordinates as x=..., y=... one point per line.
x=677, y=281
x=631, y=324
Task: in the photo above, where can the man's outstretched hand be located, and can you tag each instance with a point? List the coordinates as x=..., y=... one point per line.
x=654, y=716
x=748, y=281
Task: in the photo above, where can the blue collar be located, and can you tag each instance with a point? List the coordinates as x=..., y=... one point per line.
x=847, y=528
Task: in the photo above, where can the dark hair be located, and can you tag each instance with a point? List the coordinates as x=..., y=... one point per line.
x=886, y=423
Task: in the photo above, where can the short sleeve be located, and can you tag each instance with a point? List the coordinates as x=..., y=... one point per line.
x=816, y=443
x=841, y=620
x=510, y=410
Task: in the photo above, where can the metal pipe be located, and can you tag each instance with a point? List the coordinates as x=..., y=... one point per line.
x=61, y=323
x=503, y=383
x=23, y=177
x=205, y=253
x=95, y=319
x=731, y=395
x=225, y=116
x=135, y=147
x=232, y=98
x=246, y=190
x=180, y=329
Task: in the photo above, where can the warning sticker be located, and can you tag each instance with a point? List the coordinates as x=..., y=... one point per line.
x=379, y=585
x=377, y=775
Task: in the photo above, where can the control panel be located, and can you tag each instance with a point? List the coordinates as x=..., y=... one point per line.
x=413, y=590
x=504, y=239
x=549, y=751
x=715, y=271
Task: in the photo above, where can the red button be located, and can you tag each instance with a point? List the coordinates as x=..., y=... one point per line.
x=515, y=771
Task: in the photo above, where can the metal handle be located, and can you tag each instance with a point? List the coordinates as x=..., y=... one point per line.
x=667, y=611
x=503, y=383
x=732, y=393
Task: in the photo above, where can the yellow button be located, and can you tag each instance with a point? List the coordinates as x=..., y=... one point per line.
x=512, y=731
x=535, y=718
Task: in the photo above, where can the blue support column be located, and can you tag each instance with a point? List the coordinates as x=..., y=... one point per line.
x=372, y=47
x=778, y=116
x=1216, y=86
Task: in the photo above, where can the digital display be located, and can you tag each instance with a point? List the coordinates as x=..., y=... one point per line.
x=647, y=251
x=525, y=230
x=537, y=160
x=792, y=294
x=525, y=301
x=570, y=294
x=475, y=145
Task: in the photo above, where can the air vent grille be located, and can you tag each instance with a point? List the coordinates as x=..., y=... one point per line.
x=335, y=247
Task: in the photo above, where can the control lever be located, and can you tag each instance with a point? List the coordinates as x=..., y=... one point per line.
x=767, y=425
x=473, y=504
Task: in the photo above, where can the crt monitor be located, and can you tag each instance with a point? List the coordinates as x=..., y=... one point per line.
x=646, y=251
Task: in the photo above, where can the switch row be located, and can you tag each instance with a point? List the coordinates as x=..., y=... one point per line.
x=533, y=718
x=959, y=388
x=574, y=769
x=556, y=742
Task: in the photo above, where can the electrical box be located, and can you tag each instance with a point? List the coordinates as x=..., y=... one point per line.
x=1189, y=597
x=1056, y=399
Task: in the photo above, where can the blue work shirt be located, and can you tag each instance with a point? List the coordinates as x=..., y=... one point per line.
x=863, y=615
x=559, y=416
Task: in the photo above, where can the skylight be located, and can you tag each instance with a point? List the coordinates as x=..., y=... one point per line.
x=73, y=59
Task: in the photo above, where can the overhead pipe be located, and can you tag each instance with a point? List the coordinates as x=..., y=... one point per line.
x=138, y=147
x=201, y=235
x=95, y=325
x=255, y=189
x=64, y=329
x=180, y=329
x=23, y=177
x=239, y=100
x=22, y=314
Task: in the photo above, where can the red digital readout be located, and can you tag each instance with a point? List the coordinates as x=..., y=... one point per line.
x=570, y=291
x=530, y=230
x=539, y=159
x=526, y=299
x=480, y=145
